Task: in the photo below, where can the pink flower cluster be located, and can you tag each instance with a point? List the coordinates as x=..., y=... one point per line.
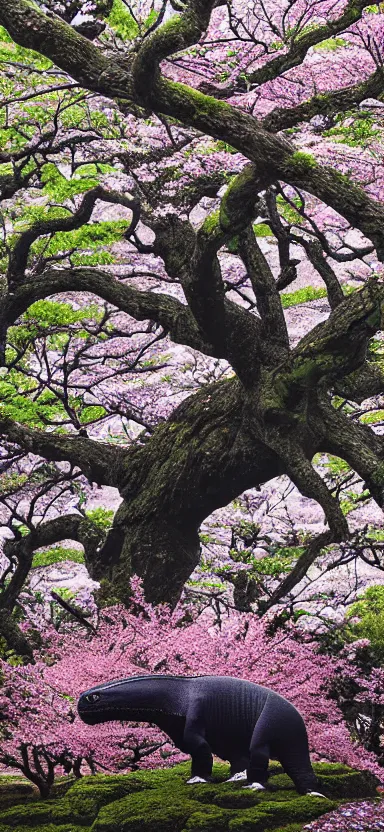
x=39, y=701
x=367, y=816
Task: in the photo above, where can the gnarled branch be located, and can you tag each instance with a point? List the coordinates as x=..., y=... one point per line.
x=273, y=157
x=100, y=462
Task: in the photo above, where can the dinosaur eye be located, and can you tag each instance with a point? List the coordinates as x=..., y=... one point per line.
x=93, y=697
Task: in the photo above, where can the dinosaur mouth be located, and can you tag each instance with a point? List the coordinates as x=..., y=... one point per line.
x=90, y=718
x=105, y=714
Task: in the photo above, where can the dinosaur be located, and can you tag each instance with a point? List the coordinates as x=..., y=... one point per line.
x=236, y=720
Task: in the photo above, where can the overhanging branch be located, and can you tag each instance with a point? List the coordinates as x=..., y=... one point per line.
x=19, y=256
x=100, y=462
x=330, y=103
x=69, y=527
x=274, y=157
x=175, y=318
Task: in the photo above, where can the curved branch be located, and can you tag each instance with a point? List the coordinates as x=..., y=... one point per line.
x=329, y=103
x=337, y=346
x=315, y=254
x=192, y=257
x=310, y=484
x=19, y=256
x=274, y=339
x=69, y=527
x=99, y=462
x=364, y=383
x=300, y=44
x=300, y=569
x=358, y=445
x=177, y=34
x=273, y=157
x=277, y=66
x=168, y=312
x=331, y=350
x=65, y=47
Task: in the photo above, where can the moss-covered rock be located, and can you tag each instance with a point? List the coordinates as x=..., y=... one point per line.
x=49, y=827
x=56, y=812
x=269, y=814
x=351, y=784
x=206, y=819
x=14, y=792
x=161, y=801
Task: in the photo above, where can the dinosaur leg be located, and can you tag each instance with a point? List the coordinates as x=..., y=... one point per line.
x=289, y=744
x=280, y=732
x=294, y=757
x=195, y=744
x=259, y=753
x=239, y=767
x=257, y=770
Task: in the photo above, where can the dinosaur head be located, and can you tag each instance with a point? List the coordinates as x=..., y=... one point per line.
x=122, y=699
x=106, y=702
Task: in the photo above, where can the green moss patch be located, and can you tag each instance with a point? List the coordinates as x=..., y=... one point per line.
x=14, y=792
x=161, y=801
x=68, y=827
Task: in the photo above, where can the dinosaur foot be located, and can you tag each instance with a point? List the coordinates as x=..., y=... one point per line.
x=241, y=775
x=197, y=780
x=315, y=794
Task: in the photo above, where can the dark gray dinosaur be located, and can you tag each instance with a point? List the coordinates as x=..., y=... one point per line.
x=237, y=720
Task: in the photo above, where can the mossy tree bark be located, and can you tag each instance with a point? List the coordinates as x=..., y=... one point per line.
x=275, y=413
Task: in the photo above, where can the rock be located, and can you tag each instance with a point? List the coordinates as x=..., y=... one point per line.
x=321, y=122
x=16, y=792
x=371, y=104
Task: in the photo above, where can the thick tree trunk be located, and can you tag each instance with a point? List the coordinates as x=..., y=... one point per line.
x=161, y=552
x=228, y=437
x=205, y=457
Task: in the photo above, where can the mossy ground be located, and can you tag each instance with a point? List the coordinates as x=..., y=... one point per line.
x=161, y=801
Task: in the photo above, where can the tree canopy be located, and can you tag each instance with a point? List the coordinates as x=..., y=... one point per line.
x=146, y=153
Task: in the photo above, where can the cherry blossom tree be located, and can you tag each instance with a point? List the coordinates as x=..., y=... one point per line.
x=191, y=124
x=42, y=732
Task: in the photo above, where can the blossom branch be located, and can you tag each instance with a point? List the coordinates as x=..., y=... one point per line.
x=273, y=157
x=19, y=255
x=175, y=318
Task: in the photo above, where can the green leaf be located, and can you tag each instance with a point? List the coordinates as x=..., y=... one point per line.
x=226, y=147
x=372, y=418
x=288, y=212
x=101, y=517
x=48, y=313
x=57, y=555
x=261, y=229
x=90, y=236
x=59, y=188
x=304, y=295
x=99, y=258
x=151, y=19
x=336, y=466
x=330, y=44
x=122, y=22
x=91, y=414
x=360, y=133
